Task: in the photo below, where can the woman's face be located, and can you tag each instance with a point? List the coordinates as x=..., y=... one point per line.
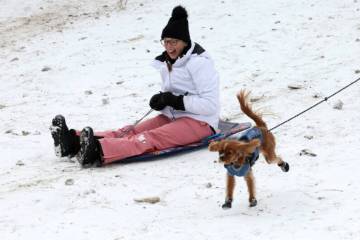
x=174, y=47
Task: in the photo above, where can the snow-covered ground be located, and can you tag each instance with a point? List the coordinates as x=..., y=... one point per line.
x=89, y=60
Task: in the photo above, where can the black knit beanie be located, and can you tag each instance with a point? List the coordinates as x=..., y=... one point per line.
x=178, y=26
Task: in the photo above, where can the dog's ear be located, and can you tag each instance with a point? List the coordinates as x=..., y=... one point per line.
x=252, y=145
x=214, y=146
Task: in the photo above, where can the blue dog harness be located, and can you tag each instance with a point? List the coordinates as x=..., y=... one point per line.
x=247, y=136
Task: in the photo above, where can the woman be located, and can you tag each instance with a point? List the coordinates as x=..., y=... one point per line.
x=188, y=103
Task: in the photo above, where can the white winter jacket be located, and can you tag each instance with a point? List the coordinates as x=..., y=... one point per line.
x=194, y=76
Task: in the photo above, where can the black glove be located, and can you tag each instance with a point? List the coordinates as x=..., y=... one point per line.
x=160, y=100
x=156, y=102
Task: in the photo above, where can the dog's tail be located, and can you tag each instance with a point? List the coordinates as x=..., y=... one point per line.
x=245, y=105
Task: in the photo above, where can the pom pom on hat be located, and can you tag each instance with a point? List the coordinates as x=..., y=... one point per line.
x=179, y=12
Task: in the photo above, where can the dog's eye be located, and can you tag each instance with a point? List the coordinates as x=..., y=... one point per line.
x=221, y=155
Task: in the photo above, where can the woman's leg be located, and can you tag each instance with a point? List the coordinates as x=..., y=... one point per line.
x=179, y=132
x=130, y=130
x=120, y=133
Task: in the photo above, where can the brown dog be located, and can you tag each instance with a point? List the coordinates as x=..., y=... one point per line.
x=238, y=156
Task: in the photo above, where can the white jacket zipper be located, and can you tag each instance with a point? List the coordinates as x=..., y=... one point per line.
x=171, y=109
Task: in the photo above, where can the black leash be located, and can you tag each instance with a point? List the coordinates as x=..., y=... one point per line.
x=324, y=100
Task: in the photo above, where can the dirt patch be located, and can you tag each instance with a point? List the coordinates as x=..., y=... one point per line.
x=55, y=17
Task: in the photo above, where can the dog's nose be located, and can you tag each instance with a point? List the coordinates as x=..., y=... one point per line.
x=221, y=156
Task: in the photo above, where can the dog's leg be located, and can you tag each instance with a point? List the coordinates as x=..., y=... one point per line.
x=271, y=157
x=268, y=150
x=230, y=186
x=250, y=182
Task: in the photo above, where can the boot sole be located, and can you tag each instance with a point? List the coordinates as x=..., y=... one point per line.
x=86, y=140
x=57, y=130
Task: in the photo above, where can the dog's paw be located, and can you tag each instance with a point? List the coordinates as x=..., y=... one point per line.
x=253, y=202
x=227, y=204
x=285, y=167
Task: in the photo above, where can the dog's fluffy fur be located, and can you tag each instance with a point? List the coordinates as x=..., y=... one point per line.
x=235, y=152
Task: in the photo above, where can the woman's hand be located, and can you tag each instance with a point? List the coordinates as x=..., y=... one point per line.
x=160, y=100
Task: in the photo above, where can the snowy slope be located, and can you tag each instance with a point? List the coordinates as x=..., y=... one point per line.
x=89, y=61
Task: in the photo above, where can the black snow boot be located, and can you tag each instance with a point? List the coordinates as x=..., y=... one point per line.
x=66, y=142
x=90, y=149
x=60, y=134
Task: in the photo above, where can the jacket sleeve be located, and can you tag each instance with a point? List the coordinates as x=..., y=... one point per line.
x=206, y=81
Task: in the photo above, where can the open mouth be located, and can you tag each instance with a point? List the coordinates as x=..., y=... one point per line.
x=172, y=53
